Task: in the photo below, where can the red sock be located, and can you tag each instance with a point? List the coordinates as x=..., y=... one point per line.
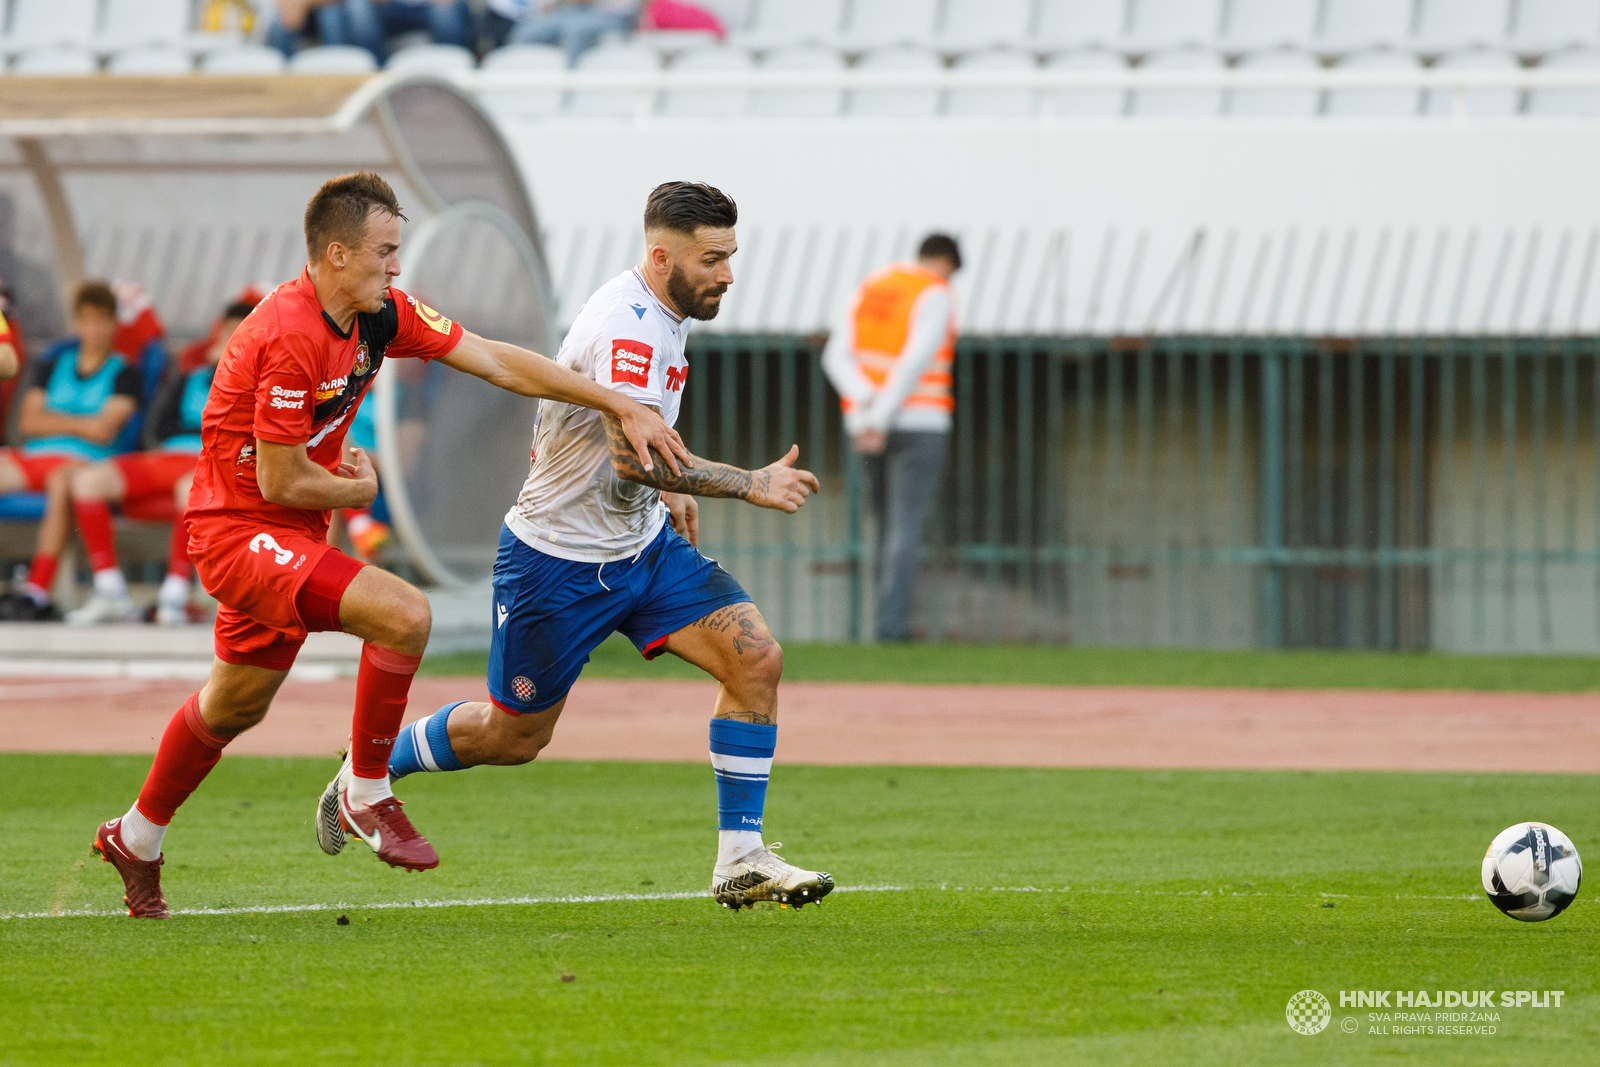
x=381, y=687
x=43, y=571
x=178, y=550
x=94, y=526
x=189, y=749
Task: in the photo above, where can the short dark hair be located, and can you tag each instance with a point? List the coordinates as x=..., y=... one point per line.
x=339, y=210
x=240, y=310
x=686, y=206
x=940, y=246
x=95, y=294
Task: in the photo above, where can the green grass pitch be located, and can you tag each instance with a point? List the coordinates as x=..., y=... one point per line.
x=1175, y=914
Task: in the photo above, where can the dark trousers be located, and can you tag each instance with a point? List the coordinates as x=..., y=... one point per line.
x=902, y=483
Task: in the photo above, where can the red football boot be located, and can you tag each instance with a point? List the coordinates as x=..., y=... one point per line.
x=385, y=828
x=141, y=878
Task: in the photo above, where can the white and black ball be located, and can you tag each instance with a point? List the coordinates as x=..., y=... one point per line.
x=1532, y=871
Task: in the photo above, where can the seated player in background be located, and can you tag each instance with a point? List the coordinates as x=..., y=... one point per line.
x=367, y=534
x=79, y=396
x=10, y=360
x=144, y=482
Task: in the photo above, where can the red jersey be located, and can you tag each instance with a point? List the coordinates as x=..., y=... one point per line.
x=289, y=376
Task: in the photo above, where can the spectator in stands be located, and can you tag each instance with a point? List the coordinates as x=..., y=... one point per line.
x=368, y=23
x=151, y=484
x=575, y=25
x=78, y=397
x=500, y=17
x=10, y=359
x=677, y=15
x=891, y=362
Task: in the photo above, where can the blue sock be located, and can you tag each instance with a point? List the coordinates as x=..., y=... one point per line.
x=425, y=746
x=741, y=756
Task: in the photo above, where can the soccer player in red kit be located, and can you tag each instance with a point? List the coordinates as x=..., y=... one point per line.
x=273, y=464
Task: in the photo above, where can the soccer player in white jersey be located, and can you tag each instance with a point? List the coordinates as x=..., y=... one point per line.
x=596, y=544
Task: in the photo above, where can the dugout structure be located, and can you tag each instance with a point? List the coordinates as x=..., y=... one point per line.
x=194, y=187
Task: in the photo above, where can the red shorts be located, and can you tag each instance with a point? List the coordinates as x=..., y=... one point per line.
x=275, y=586
x=153, y=473
x=35, y=469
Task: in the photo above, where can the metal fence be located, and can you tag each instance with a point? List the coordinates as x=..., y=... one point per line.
x=1405, y=493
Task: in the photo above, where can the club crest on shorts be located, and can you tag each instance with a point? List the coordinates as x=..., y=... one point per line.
x=523, y=687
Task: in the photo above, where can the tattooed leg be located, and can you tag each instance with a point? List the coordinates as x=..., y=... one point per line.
x=734, y=646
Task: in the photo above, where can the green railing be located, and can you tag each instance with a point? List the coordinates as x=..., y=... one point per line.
x=1394, y=493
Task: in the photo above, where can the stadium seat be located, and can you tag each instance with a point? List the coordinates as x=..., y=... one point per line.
x=1078, y=23
x=1448, y=25
x=735, y=14
x=1488, y=103
x=1086, y=103
x=540, y=58
x=616, y=103
x=22, y=507
x=1259, y=24
x=781, y=23
x=1567, y=101
x=1179, y=103
x=1376, y=103
x=1349, y=25
x=243, y=59
x=1281, y=101
x=670, y=43
x=972, y=24
x=709, y=103
x=1167, y=23
x=897, y=103
x=1546, y=25
x=799, y=103
x=56, y=61
x=333, y=59
x=994, y=103
x=151, y=59
x=37, y=23
x=127, y=23
x=882, y=23
x=442, y=59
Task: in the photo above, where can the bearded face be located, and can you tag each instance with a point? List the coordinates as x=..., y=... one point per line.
x=702, y=302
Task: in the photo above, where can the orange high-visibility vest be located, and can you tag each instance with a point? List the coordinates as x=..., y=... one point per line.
x=884, y=306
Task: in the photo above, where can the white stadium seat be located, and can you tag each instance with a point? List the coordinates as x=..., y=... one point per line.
x=444, y=59
x=1280, y=101
x=897, y=103
x=539, y=58
x=1446, y=25
x=151, y=59
x=1077, y=23
x=1567, y=101
x=994, y=103
x=1545, y=25
x=673, y=42
x=1258, y=24
x=881, y=23
x=709, y=103
x=1179, y=103
x=56, y=60
x=1086, y=103
x=1493, y=103
x=783, y=23
x=1167, y=23
x=1348, y=25
x=973, y=24
x=35, y=23
x=1376, y=103
x=614, y=102
x=132, y=22
x=800, y=103
x=243, y=59
x=333, y=59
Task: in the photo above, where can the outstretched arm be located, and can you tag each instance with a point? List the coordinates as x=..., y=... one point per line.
x=779, y=485
x=530, y=374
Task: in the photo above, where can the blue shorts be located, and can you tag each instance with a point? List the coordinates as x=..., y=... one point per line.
x=550, y=613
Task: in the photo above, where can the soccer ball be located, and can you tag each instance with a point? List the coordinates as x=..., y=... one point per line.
x=1531, y=871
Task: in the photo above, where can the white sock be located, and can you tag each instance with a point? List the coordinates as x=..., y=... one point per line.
x=174, y=591
x=110, y=583
x=735, y=845
x=142, y=836
x=369, y=791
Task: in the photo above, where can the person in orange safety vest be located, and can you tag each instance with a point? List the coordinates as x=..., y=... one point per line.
x=890, y=361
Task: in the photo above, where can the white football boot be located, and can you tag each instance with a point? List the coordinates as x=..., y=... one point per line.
x=331, y=836
x=764, y=875
x=99, y=608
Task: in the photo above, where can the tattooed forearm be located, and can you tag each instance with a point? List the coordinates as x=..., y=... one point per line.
x=705, y=478
x=760, y=718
